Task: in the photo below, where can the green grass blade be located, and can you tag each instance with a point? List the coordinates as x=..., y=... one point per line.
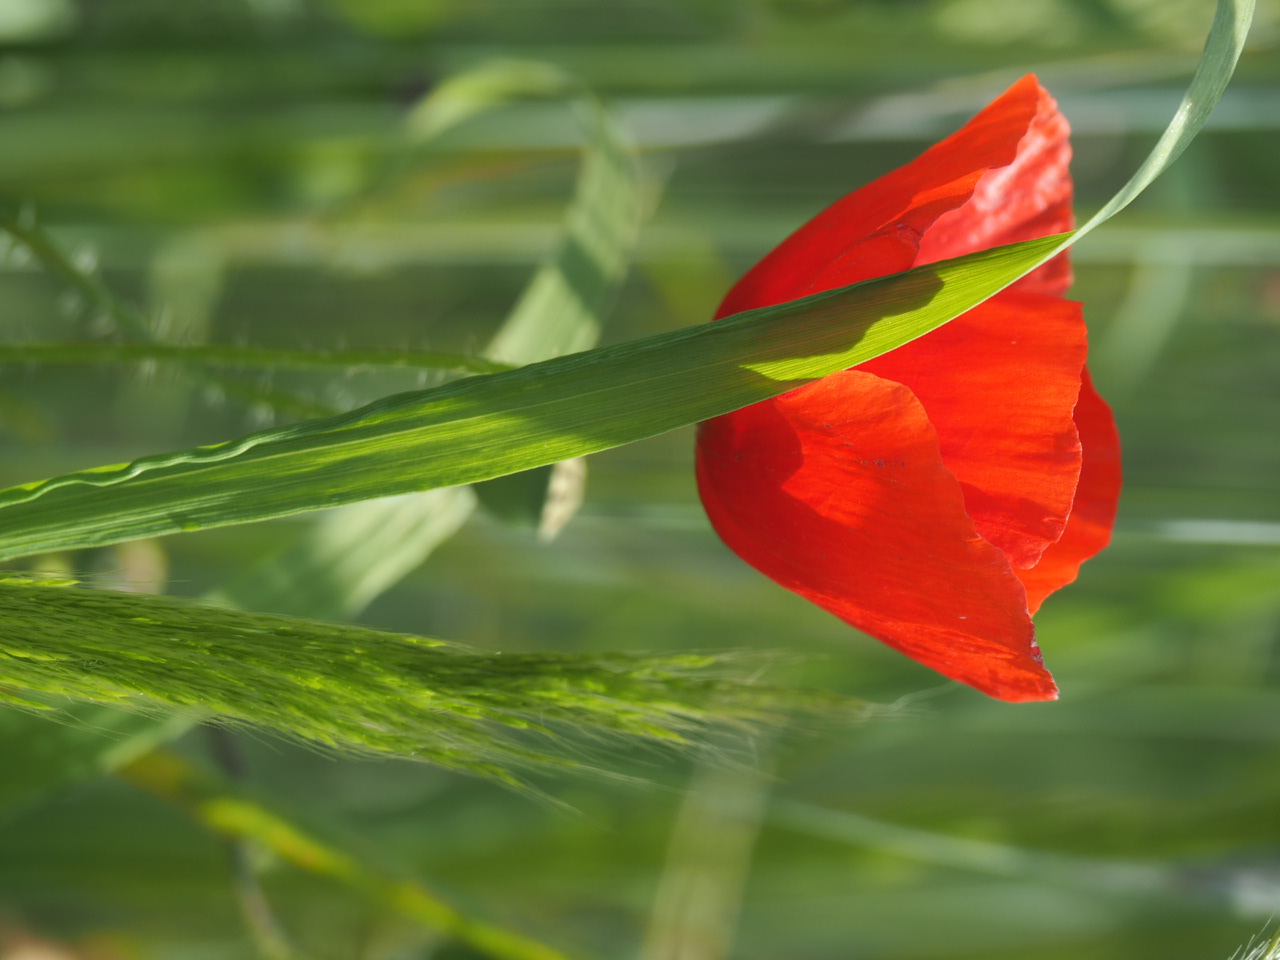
x=566, y=407
x=1117, y=876
x=243, y=357
x=471, y=92
x=333, y=570
x=24, y=228
x=489, y=426
x=1222, y=50
x=563, y=308
x=347, y=557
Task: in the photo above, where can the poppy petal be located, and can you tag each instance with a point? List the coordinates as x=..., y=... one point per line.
x=926, y=496
x=1024, y=200
x=1094, y=513
x=876, y=230
x=837, y=491
x=1000, y=383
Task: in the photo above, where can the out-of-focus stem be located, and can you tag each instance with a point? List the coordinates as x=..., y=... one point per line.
x=699, y=897
x=223, y=809
x=89, y=286
x=264, y=927
x=231, y=355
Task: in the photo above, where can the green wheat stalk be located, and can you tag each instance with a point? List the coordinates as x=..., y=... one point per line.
x=365, y=691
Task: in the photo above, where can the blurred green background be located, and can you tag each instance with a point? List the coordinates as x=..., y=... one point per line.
x=224, y=165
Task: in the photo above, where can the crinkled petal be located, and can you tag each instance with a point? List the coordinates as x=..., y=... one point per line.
x=1027, y=199
x=837, y=491
x=877, y=229
x=1000, y=384
x=1094, y=513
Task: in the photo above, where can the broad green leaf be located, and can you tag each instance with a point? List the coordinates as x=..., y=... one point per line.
x=498, y=424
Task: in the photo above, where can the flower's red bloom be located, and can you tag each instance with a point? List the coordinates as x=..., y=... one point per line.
x=934, y=496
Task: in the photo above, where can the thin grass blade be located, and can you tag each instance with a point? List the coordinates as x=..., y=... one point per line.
x=503, y=423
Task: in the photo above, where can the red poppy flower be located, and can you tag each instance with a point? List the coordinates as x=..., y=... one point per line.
x=934, y=496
